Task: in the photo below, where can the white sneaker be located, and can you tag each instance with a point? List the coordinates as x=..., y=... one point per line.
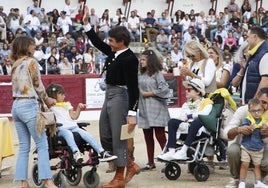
x=259, y=184
x=233, y=183
x=166, y=156
x=179, y=155
x=242, y=185
x=78, y=157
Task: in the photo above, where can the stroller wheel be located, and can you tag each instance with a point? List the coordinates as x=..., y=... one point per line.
x=172, y=171
x=73, y=175
x=91, y=179
x=201, y=172
x=37, y=183
x=59, y=179
x=191, y=167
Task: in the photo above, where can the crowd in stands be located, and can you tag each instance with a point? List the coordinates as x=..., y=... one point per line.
x=63, y=48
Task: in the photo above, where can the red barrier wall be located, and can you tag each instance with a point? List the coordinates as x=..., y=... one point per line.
x=74, y=87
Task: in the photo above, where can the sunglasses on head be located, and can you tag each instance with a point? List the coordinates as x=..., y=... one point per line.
x=190, y=56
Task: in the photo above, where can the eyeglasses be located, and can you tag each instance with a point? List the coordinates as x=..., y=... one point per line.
x=259, y=111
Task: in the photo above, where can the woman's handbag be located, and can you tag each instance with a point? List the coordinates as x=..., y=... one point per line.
x=44, y=119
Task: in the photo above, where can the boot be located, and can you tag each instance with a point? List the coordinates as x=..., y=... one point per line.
x=132, y=167
x=118, y=181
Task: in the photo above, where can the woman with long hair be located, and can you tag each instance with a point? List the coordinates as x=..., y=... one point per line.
x=27, y=87
x=153, y=111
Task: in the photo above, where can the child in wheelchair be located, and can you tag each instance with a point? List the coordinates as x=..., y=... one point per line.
x=66, y=116
x=196, y=104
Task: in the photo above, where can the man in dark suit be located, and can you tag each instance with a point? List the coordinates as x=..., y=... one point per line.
x=121, y=98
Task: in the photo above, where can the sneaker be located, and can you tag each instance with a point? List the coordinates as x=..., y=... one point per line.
x=148, y=167
x=242, y=185
x=233, y=183
x=179, y=155
x=166, y=156
x=78, y=157
x=259, y=184
x=106, y=156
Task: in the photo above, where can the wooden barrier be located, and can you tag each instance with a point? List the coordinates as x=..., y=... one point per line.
x=75, y=88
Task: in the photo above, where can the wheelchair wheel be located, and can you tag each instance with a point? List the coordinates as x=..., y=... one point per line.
x=59, y=179
x=172, y=171
x=37, y=183
x=201, y=172
x=91, y=179
x=191, y=167
x=74, y=176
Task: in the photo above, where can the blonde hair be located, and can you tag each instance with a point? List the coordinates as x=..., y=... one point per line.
x=193, y=47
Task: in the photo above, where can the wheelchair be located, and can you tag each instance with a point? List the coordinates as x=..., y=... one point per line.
x=207, y=145
x=67, y=169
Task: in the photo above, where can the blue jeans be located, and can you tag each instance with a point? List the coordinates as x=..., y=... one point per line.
x=24, y=112
x=67, y=134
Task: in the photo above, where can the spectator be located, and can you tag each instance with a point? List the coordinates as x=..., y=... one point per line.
x=246, y=9
x=104, y=25
x=185, y=23
x=150, y=27
x=32, y=24
x=3, y=29
x=90, y=58
x=235, y=21
x=93, y=19
x=134, y=26
x=80, y=45
x=7, y=66
x=223, y=72
x=64, y=23
x=66, y=67
x=3, y=14
x=230, y=43
x=52, y=65
x=14, y=20
x=34, y=7
x=233, y=7
x=80, y=67
x=117, y=18
x=53, y=18
x=68, y=9
x=153, y=111
x=162, y=41
x=200, y=66
x=253, y=20
x=44, y=21
x=176, y=55
x=253, y=78
x=5, y=51
x=164, y=23
x=233, y=132
x=264, y=21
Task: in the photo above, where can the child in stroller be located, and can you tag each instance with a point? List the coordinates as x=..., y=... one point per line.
x=66, y=116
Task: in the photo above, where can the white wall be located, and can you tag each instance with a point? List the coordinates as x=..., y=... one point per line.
x=142, y=6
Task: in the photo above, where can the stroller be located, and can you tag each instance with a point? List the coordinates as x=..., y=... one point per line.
x=207, y=146
x=67, y=168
